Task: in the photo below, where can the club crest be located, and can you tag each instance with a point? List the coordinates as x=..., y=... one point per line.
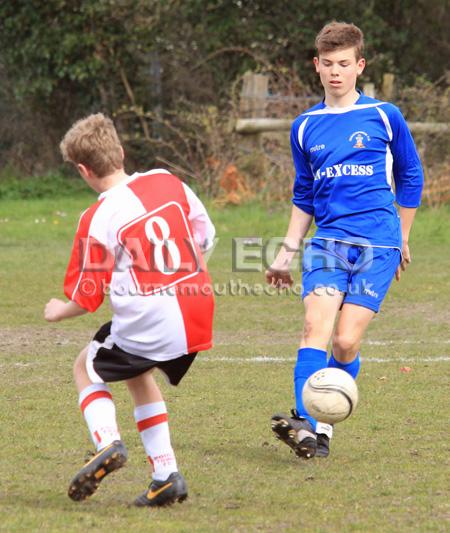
x=359, y=137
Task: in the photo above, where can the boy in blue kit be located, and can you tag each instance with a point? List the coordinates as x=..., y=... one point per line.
x=347, y=151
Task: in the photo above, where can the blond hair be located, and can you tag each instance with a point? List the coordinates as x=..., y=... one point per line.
x=340, y=35
x=93, y=142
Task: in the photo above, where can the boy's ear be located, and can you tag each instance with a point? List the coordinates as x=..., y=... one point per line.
x=316, y=64
x=85, y=171
x=360, y=66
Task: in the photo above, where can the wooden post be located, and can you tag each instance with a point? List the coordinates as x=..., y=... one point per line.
x=388, y=86
x=369, y=89
x=253, y=104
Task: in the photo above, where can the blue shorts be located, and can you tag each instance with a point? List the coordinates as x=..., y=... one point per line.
x=363, y=273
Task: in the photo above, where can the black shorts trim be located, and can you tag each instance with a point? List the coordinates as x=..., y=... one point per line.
x=112, y=363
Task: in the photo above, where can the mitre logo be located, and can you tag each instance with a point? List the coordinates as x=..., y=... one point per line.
x=317, y=147
x=359, y=137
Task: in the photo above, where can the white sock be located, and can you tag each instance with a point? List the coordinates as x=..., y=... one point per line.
x=151, y=420
x=326, y=429
x=99, y=411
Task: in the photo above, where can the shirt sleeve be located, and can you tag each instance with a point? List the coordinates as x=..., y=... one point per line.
x=407, y=168
x=203, y=228
x=304, y=179
x=91, y=263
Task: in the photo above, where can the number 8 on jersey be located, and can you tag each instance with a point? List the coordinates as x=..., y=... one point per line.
x=161, y=248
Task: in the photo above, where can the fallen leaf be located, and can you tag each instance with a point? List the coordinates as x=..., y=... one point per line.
x=405, y=369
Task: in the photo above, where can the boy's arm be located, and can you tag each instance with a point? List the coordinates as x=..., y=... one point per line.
x=408, y=176
x=88, y=273
x=91, y=263
x=278, y=274
x=302, y=212
x=407, y=215
x=57, y=310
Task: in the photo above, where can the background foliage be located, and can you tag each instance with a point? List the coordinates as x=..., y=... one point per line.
x=169, y=70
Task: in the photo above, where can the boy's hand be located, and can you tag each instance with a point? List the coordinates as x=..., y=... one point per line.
x=57, y=310
x=406, y=259
x=54, y=310
x=279, y=278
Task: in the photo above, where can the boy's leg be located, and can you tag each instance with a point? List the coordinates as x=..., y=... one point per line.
x=371, y=278
x=321, y=308
x=98, y=409
x=150, y=413
x=372, y=274
x=350, y=328
x=152, y=422
x=96, y=404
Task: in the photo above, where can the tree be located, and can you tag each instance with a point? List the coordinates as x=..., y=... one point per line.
x=155, y=60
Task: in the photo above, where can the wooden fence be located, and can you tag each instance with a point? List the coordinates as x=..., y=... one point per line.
x=256, y=126
x=253, y=123
x=255, y=98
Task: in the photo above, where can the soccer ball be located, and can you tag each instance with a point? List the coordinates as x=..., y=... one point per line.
x=330, y=395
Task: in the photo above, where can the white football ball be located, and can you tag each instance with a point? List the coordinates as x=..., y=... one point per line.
x=330, y=395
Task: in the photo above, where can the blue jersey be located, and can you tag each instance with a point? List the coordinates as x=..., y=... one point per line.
x=345, y=160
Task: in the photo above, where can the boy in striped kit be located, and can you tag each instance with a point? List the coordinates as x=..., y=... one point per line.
x=142, y=243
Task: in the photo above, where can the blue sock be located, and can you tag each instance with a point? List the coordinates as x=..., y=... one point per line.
x=309, y=360
x=351, y=368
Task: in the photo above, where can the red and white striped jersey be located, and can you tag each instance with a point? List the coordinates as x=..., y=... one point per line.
x=141, y=243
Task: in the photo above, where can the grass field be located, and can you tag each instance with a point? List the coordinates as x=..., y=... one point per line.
x=390, y=462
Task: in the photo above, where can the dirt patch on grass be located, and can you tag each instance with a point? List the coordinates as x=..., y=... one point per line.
x=35, y=340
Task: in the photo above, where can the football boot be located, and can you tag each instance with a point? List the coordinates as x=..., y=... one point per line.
x=296, y=432
x=86, y=482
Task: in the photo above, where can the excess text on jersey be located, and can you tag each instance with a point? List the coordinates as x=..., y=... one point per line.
x=343, y=169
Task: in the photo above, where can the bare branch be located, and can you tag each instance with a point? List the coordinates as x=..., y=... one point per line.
x=132, y=99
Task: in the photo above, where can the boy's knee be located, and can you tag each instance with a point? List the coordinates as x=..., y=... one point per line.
x=345, y=346
x=79, y=366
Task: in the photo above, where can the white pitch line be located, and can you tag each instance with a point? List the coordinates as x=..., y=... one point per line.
x=269, y=359
x=406, y=341
x=438, y=359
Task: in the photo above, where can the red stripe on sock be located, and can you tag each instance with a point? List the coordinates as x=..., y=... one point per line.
x=152, y=421
x=151, y=462
x=97, y=436
x=94, y=396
